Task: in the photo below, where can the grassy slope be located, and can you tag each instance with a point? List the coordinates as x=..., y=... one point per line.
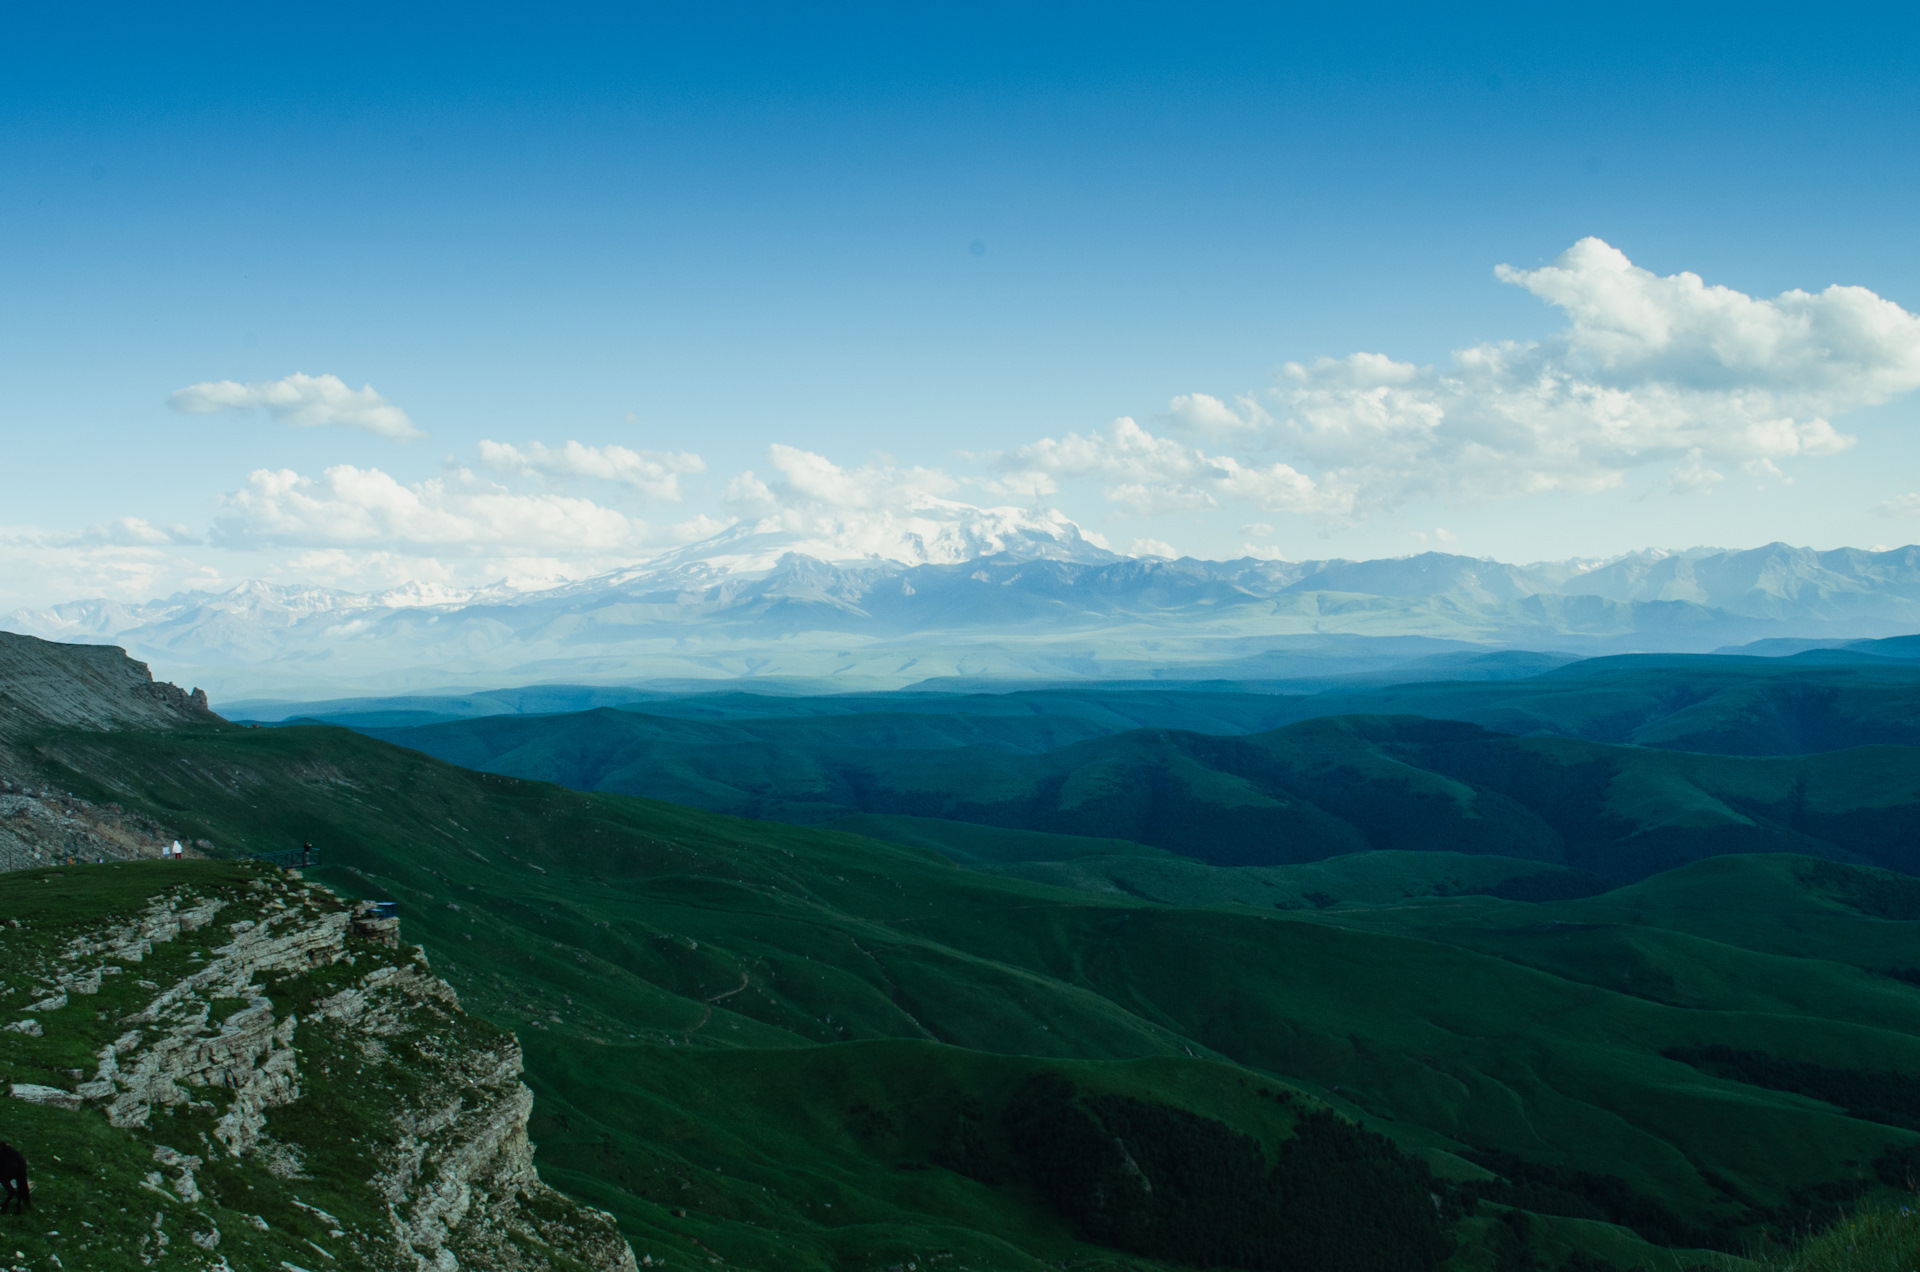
x=1312, y=790
x=707, y=1003
x=1720, y=705
x=1879, y=1238
x=1729, y=706
x=1367, y=878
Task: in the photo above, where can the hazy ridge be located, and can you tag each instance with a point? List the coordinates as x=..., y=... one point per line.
x=1047, y=604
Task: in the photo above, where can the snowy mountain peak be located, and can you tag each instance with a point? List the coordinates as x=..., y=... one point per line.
x=944, y=589
x=936, y=532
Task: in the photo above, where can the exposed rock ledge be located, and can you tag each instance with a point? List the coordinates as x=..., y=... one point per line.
x=88, y=687
x=192, y=1005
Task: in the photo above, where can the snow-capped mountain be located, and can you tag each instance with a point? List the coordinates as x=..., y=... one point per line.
x=935, y=532
x=1003, y=594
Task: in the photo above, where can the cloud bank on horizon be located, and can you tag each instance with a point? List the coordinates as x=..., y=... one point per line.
x=1662, y=373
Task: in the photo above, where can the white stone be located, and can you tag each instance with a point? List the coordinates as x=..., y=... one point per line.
x=53, y=1097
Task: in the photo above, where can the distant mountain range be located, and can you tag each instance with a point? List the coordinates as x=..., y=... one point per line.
x=1017, y=597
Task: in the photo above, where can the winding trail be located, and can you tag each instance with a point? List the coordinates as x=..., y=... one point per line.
x=706, y=1012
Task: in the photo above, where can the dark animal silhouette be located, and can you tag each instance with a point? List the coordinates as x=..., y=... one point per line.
x=13, y=1173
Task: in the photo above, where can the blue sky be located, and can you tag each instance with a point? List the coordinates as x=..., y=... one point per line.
x=943, y=252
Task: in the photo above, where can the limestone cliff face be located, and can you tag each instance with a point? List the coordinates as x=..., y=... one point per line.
x=294, y=1085
x=88, y=687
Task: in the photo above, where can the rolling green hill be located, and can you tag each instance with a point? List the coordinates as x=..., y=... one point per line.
x=1726, y=705
x=782, y=1046
x=1313, y=790
x=1818, y=700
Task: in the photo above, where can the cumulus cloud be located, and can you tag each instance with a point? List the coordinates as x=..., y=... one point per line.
x=1823, y=352
x=1148, y=474
x=1650, y=371
x=803, y=479
x=881, y=510
x=309, y=401
x=655, y=474
x=1202, y=415
x=364, y=507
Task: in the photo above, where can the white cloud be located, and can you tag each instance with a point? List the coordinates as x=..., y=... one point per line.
x=1651, y=371
x=692, y=529
x=1841, y=348
x=655, y=474
x=1693, y=475
x=1907, y=505
x=38, y=567
x=806, y=487
x=121, y=532
x=807, y=478
x=1152, y=548
x=309, y=401
x=881, y=510
x=366, y=508
x=1147, y=474
x=1207, y=416
x=423, y=579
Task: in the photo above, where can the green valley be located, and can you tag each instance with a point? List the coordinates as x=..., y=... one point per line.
x=785, y=1046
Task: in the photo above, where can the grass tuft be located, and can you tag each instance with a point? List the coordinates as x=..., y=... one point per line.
x=1882, y=1238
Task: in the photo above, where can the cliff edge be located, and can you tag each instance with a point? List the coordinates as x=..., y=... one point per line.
x=217, y=1066
x=44, y=682
x=46, y=686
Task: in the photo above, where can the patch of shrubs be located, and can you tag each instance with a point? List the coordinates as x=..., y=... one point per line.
x=1549, y=885
x=1899, y=1167
x=1880, y=894
x=1510, y=1240
x=969, y=1147
x=1156, y=1180
x=1892, y=1099
x=1579, y=1194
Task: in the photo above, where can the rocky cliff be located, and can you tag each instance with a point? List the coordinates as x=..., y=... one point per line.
x=88, y=686
x=45, y=685
x=218, y=1066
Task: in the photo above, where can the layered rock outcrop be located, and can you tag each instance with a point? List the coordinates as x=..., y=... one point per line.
x=40, y=826
x=88, y=687
x=296, y=1053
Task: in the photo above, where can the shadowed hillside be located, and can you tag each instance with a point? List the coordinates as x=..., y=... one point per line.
x=1816, y=701
x=1312, y=790
x=786, y=1033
